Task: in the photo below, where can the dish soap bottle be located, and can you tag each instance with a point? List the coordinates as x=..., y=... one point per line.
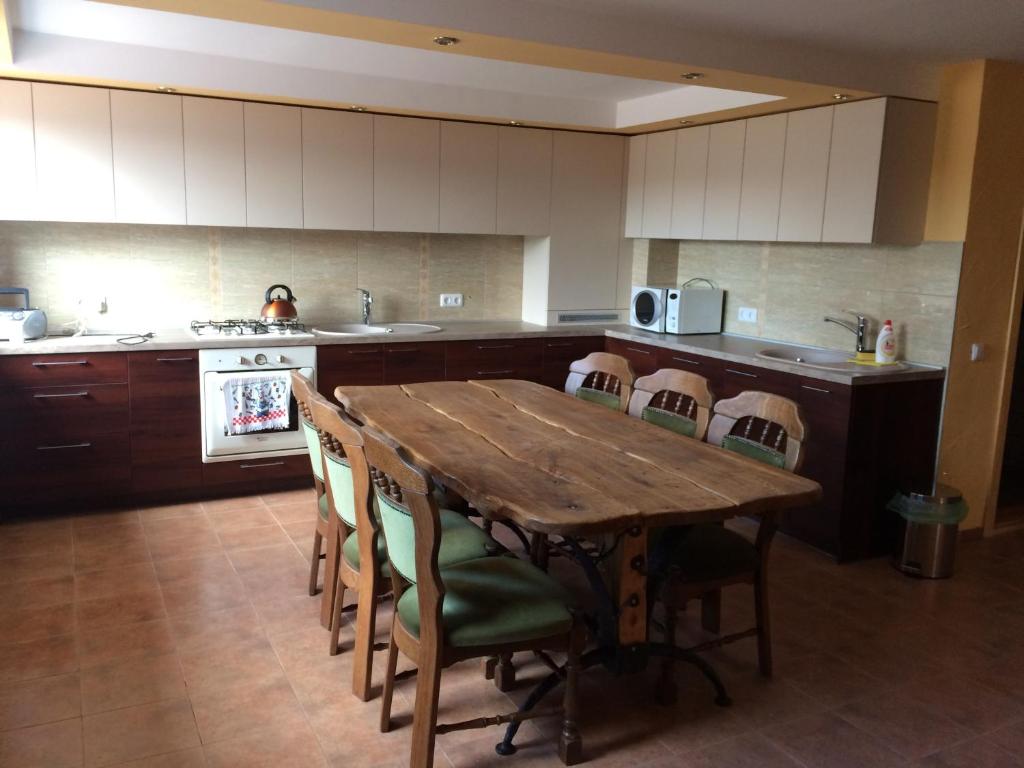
x=885, y=344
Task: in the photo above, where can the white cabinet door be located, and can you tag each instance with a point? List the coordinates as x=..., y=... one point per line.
x=524, y=181
x=214, y=162
x=689, y=183
x=17, y=152
x=635, y=186
x=149, y=162
x=725, y=174
x=337, y=169
x=586, y=200
x=273, y=166
x=762, y=178
x=406, y=163
x=804, y=175
x=469, y=178
x=853, y=166
x=659, y=167
x=73, y=162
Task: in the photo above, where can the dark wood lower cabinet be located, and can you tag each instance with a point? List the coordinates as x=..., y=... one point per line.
x=412, y=362
x=352, y=364
x=257, y=473
x=863, y=443
x=494, y=359
x=559, y=352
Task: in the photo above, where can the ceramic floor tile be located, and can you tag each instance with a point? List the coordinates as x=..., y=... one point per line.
x=33, y=567
x=137, y=732
x=273, y=747
x=216, y=594
x=104, y=518
x=38, y=593
x=241, y=518
x=245, y=661
x=226, y=505
x=150, y=638
x=128, y=608
x=253, y=538
x=185, y=758
x=24, y=624
x=38, y=658
x=43, y=700
x=290, y=497
x=230, y=713
x=753, y=751
x=304, y=511
x=133, y=681
x=1010, y=738
x=827, y=741
x=972, y=754
x=55, y=745
x=91, y=585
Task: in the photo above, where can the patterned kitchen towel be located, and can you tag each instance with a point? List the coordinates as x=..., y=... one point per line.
x=257, y=403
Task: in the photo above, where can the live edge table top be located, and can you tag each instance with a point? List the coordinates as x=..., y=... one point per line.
x=554, y=464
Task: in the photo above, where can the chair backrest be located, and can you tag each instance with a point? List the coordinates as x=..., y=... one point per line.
x=348, y=476
x=762, y=426
x=303, y=392
x=412, y=526
x=603, y=378
x=676, y=400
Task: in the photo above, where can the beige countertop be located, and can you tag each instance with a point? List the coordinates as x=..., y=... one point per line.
x=726, y=347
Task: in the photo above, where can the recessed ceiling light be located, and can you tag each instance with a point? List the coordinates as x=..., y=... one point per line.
x=446, y=40
x=840, y=96
x=166, y=89
x=692, y=75
x=685, y=122
x=514, y=122
x=354, y=108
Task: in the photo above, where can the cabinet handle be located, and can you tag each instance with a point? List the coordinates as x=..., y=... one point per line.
x=265, y=464
x=559, y=344
x=60, y=362
x=687, y=361
x=493, y=373
x=402, y=351
x=62, y=394
x=641, y=351
x=741, y=373
x=816, y=389
x=495, y=346
x=363, y=351
x=62, y=447
x=175, y=359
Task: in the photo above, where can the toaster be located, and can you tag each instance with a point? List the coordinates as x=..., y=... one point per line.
x=20, y=323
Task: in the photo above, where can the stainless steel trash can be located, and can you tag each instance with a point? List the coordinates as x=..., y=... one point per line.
x=929, y=543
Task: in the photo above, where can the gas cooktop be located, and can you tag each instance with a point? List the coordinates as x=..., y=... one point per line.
x=233, y=328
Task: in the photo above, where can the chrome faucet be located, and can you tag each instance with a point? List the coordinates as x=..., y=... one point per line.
x=860, y=329
x=367, y=304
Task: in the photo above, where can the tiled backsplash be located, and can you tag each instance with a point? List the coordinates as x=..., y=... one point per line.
x=793, y=286
x=165, y=276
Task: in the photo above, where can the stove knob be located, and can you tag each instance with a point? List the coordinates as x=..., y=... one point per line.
x=260, y=359
x=241, y=360
x=279, y=359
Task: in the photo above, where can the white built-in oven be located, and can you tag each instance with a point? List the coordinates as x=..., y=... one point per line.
x=219, y=367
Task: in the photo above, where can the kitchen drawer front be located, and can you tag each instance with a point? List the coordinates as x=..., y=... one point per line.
x=151, y=372
x=493, y=359
x=412, y=362
x=257, y=472
x=68, y=468
x=561, y=351
x=351, y=364
x=50, y=412
x=708, y=367
x=64, y=370
x=642, y=357
x=735, y=378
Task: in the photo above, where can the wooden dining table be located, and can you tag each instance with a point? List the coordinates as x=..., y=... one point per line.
x=557, y=466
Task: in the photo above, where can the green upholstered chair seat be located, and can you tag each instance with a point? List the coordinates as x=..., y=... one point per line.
x=350, y=549
x=494, y=600
x=322, y=506
x=754, y=450
x=599, y=396
x=674, y=421
x=709, y=552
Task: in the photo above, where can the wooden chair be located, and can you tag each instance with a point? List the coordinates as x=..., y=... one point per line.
x=303, y=391
x=475, y=609
x=676, y=400
x=601, y=378
x=702, y=559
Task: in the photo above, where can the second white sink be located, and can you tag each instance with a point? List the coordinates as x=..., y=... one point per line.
x=813, y=358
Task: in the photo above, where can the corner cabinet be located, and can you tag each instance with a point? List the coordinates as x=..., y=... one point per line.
x=849, y=173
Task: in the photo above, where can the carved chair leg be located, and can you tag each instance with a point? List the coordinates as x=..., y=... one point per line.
x=539, y=550
x=339, y=602
x=314, y=562
x=711, y=611
x=424, y=719
x=505, y=674
x=489, y=664
x=666, y=692
x=764, y=630
x=366, y=623
x=389, y=685
x=570, y=744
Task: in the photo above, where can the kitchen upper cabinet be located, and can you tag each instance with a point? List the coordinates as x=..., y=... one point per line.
x=406, y=170
x=17, y=151
x=853, y=167
x=637, y=151
x=725, y=175
x=689, y=181
x=524, y=181
x=273, y=165
x=214, y=162
x=659, y=169
x=761, y=187
x=804, y=175
x=586, y=212
x=469, y=178
x=149, y=163
x=337, y=169
x=74, y=167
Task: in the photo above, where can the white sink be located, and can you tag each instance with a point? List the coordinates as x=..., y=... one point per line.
x=359, y=329
x=827, y=359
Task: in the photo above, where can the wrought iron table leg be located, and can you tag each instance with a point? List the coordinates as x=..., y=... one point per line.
x=663, y=650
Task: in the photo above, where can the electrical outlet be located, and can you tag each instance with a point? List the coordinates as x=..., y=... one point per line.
x=451, y=300
x=748, y=315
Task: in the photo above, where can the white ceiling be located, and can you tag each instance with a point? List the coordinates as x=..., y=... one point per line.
x=88, y=39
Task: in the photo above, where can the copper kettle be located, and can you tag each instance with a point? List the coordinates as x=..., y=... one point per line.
x=277, y=308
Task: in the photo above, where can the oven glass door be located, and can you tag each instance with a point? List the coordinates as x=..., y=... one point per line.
x=217, y=442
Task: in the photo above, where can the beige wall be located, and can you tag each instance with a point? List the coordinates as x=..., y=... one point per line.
x=793, y=286
x=164, y=276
